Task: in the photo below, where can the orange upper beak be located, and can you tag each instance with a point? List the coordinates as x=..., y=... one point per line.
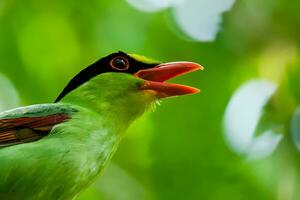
x=155, y=78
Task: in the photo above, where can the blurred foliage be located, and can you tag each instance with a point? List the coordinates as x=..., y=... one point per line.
x=179, y=151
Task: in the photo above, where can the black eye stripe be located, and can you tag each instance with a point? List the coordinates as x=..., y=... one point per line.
x=102, y=66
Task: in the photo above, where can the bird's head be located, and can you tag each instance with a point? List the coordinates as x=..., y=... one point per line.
x=127, y=81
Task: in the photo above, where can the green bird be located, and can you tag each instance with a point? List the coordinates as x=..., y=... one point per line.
x=55, y=150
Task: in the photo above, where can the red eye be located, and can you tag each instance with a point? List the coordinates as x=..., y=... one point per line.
x=119, y=63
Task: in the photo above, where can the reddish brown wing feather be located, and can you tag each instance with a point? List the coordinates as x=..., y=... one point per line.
x=27, y=129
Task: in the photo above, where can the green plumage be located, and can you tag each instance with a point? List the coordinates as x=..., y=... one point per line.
x=64, y=162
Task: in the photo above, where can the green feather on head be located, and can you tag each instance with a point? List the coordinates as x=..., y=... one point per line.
x=144, y=59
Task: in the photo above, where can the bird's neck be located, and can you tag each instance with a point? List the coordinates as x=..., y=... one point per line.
x=117, y=113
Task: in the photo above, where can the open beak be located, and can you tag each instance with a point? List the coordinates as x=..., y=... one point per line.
x=155, y=78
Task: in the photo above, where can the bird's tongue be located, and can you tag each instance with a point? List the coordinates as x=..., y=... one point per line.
x=155, y=78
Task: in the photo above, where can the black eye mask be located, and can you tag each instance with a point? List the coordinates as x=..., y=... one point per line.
x=115, y=62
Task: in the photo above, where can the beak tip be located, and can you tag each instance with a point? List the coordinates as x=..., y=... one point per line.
x=194, y=66
x=199, y=67
x=194, y=90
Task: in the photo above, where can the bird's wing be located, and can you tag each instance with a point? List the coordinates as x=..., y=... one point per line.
x=27, y=124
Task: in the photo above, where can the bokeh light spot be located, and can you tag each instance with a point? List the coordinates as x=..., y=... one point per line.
x=201, y=19
x=151, y=5
x=242, y=117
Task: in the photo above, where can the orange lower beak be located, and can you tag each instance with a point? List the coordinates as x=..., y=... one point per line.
x=155, y=78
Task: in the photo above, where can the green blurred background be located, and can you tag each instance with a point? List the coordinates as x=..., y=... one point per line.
x=190, y=147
